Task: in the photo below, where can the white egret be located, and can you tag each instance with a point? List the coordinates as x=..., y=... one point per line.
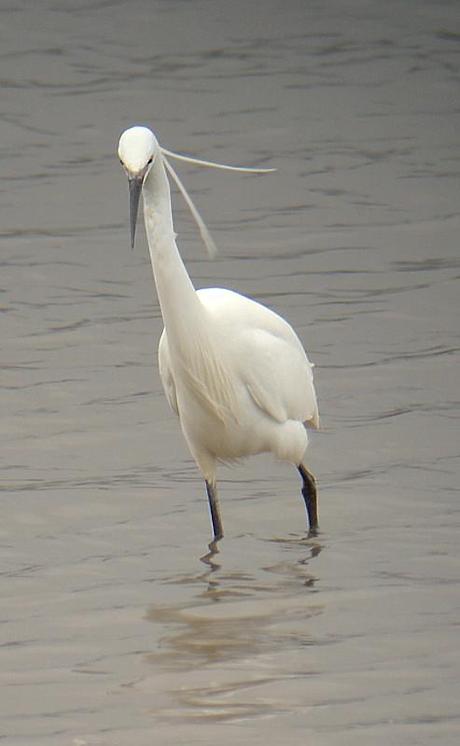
x=233, y=371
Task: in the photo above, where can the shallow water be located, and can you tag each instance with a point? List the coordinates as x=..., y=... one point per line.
x=116, y=627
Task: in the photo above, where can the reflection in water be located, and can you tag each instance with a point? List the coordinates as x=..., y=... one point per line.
x=208, y=558
x=231, y=643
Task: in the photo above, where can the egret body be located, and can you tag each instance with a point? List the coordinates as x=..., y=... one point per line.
x=233, y=371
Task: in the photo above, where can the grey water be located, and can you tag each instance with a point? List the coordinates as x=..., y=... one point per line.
x=116, y=628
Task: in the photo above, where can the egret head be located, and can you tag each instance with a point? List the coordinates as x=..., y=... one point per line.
x=137, y=150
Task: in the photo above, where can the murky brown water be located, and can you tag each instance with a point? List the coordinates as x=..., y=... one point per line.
x=113, y=630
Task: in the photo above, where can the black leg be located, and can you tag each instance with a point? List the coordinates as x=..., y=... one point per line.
x=310, y=496
x=213, y=500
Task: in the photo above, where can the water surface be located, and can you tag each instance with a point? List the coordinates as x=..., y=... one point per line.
x=116, y=627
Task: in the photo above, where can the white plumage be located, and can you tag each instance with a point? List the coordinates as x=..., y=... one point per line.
x=233, y=371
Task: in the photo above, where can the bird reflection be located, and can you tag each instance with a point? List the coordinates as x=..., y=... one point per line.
x=208, y=558
x=296, y=569
x=251, y=602
x=218, y=652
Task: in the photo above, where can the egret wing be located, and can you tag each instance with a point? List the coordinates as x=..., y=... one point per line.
x=279, y=378
x=266, y=353
x=202, y=373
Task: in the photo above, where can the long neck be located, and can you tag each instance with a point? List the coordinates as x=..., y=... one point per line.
x=179, y=303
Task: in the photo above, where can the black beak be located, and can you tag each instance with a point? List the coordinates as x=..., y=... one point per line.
x=135, y=188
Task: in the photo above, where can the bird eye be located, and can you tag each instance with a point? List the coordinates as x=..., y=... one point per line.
x=150, y=160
